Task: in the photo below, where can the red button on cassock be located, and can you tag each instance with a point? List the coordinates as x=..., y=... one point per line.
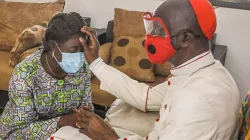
x=157, y=120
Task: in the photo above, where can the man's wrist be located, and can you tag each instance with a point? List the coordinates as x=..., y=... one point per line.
x=94, y=63
x=111, y=135
x=116, y=137
x=93, y=60
x=57, y=120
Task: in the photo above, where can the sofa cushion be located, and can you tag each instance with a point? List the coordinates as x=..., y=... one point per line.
x=5, y=70
x=101, y=97
x=129, y=56
x=128, y=23
x=105, y=52
x=20, y=15
x=29, y=38
x=95, y=80
x=29, y=52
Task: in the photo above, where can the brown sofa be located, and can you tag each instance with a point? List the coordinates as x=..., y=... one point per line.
x=12, y=26
x=6, y=70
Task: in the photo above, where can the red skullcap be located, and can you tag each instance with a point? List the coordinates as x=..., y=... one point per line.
x=206, y=16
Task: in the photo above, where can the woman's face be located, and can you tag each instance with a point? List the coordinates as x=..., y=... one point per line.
x=73, y=45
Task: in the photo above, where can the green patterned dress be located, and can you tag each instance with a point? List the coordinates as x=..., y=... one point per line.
x=37, y=100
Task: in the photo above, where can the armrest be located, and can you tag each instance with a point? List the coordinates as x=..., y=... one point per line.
x=213, y=42
x=101, y=35
x=109, y=32
x=220, y=53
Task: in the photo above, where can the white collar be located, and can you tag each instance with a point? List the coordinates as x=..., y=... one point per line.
x=194, y=64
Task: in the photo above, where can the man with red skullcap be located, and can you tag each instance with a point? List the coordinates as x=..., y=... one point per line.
x=200, y=101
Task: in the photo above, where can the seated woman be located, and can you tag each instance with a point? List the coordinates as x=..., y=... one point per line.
x=243, y=129
x=47, y=85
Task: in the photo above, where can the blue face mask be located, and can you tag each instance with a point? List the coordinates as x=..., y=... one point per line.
x=71, y=62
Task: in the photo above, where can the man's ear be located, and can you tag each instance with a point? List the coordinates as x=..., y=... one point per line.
x=186, y=39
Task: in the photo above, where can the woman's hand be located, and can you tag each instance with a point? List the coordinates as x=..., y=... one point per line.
x=91, y=51
x=69, y=120
x=94, y=127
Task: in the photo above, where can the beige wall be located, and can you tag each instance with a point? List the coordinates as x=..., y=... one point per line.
x=234, y=31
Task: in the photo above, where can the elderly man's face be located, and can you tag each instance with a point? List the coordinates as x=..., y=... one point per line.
x=178, y=17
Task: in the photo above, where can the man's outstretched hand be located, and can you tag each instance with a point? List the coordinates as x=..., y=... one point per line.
x=90, y=51
x=94, y=127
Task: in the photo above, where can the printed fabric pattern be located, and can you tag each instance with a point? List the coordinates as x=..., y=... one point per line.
x=37, y=100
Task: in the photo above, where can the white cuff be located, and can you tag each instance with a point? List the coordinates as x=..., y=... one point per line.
x=97, y=66
x=94, y=63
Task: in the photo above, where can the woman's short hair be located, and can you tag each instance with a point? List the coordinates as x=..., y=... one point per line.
x=62, y=27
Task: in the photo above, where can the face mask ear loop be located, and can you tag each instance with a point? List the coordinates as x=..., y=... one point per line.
x=53, y=53
x=58, y=47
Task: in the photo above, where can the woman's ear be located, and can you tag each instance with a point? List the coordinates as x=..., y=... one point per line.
x=46, y=45
x=186, y=39
x=51, y=44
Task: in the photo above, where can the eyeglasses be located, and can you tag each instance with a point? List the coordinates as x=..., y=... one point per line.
x=184, y=32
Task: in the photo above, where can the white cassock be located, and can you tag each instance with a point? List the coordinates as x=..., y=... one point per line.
x=200, y=102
